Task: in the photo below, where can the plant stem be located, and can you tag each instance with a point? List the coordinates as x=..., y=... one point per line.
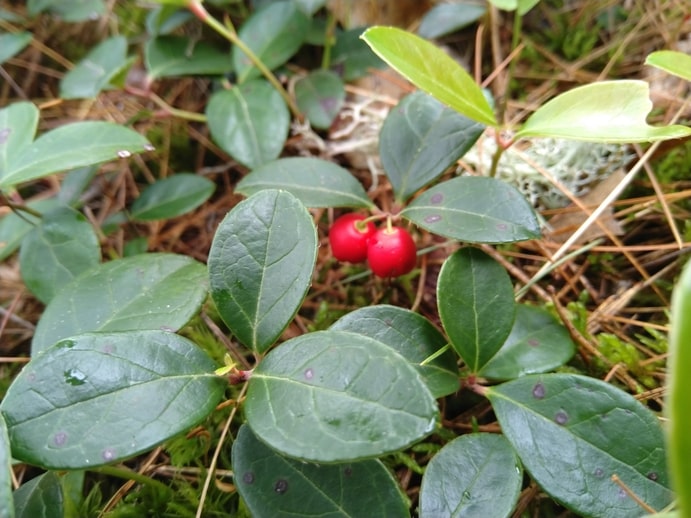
x=128, y=474
x=329, y=39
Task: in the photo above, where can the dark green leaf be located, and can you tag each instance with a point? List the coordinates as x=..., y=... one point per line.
x=164, y=19
x=420, y=139
x=351, y=57
x=476, y=305
x=149, y=291
x=476, y=210
x=473, y=476
x=443, y=19
x=431, y=70
x=98, y=398
x=69, y=10
x=95, y=71
x=315, y=182
x=172, y=197
x=274, y=34
x=334, y=396
x=573, y=433
x=18, y=123
x=40, y=497
x=61, y=247
x=16, y=225
x=75, y=183
x=168, y=56
x=279, y=487
x=13, y=43
x=412, y=336
x=7, y=509
x=250, y=122
x=260, y=265
x=537, y=343
x=320, y=96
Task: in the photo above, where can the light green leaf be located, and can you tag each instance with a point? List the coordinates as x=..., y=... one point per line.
x=671, y=61
x=250, y=122
x=14, y=227
x=149, y=291
x=7, y=509
x=522, y=6
x=18, y=123
x=608, y=111
x=334, y=396
x=69, y=10
x=474, y=476
x=420, y=139
x=573, y=433
x=320, y=96
x=40, y=497
x=170, y=56
x=310, y=6
x=315, y=182
x=13, y=43
x=476, y=305
x=476, y=210
x=61, y=247
x=172, y=197
x=260, y=265
x=412, y=336
x=276, y=486
x=98, y=398
x=443, y=19
x=431, y=70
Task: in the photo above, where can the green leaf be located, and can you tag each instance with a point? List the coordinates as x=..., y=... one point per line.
x=13, y=43
x=443, y=19
x=476, y=305
x=476, y=210
x=172, y=197
x=40, y=497
x=315, y=182
x=351, y=58
x=60, y=248
x=7, y=509
x=170, y=56
x=98, y=398
x=69, y=10
x=679, y=386
x=96, y=70
x=310, y=6
x=608, y=111
x=431, y=70
x=18, y=123
x=320, y=96
x=250, y=122
x=475, y=475
x=522, y=6
x=274, y=34
x=164, y=19
x=149, y=291
x=537, y=343
x=14, y=227
x=412, y=336
x=573, y=433
x=70, y=146
x=74, y=183
x=420, y=139
x=276, y=486
x=260, y=266
x=334, y=396
x=671, y=61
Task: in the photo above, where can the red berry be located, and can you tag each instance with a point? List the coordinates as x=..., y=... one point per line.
x=348, y=241
x=391, y=252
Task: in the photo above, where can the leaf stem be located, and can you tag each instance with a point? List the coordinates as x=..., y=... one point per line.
x=128, y=474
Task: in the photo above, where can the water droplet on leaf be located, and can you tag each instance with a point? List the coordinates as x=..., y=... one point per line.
x=5, y=135
x=432, y=218
x=437, y=198
x=60, y=439
x=599, y=473
x=149, y=147
x=533, y=342
x=281, y=486
x=124, y=153
x=348, y=471
x=108, y=454
x=539, y=391
x=75, y=377
x=248, y=477
x=309, y=374
x=502, y=226
x=561, y=417
x=652, y=476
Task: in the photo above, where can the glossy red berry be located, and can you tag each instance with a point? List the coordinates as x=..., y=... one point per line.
x=348, y=241
x=391, y=252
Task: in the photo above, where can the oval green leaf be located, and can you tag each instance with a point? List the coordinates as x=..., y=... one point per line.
x=443, y=19
x=18, y=123
x=172, y=197
x=473, y=476
x=96, y=70
x=170, y=56
x=149, y=291
x=274, y=34
x=573, y=433
x=13, y=43
x=475, y=209
x=276, y=486
x=351, y=58
x=420, y=139
x=7, y=510
x=431, y=70
x=315, y=182
x=320, y=96
x=60, y=248
x=98, y=398
x=608, y=111
x=40, y=497
x=335, y=396
x=413, y=337
x=537, y=343
x=250, y=122
x=69, y=10
x=476, y=305
x=671, y=61
x=71, y=146
x=260, y=265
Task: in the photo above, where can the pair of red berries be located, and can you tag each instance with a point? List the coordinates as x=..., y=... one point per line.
x=389, y=251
